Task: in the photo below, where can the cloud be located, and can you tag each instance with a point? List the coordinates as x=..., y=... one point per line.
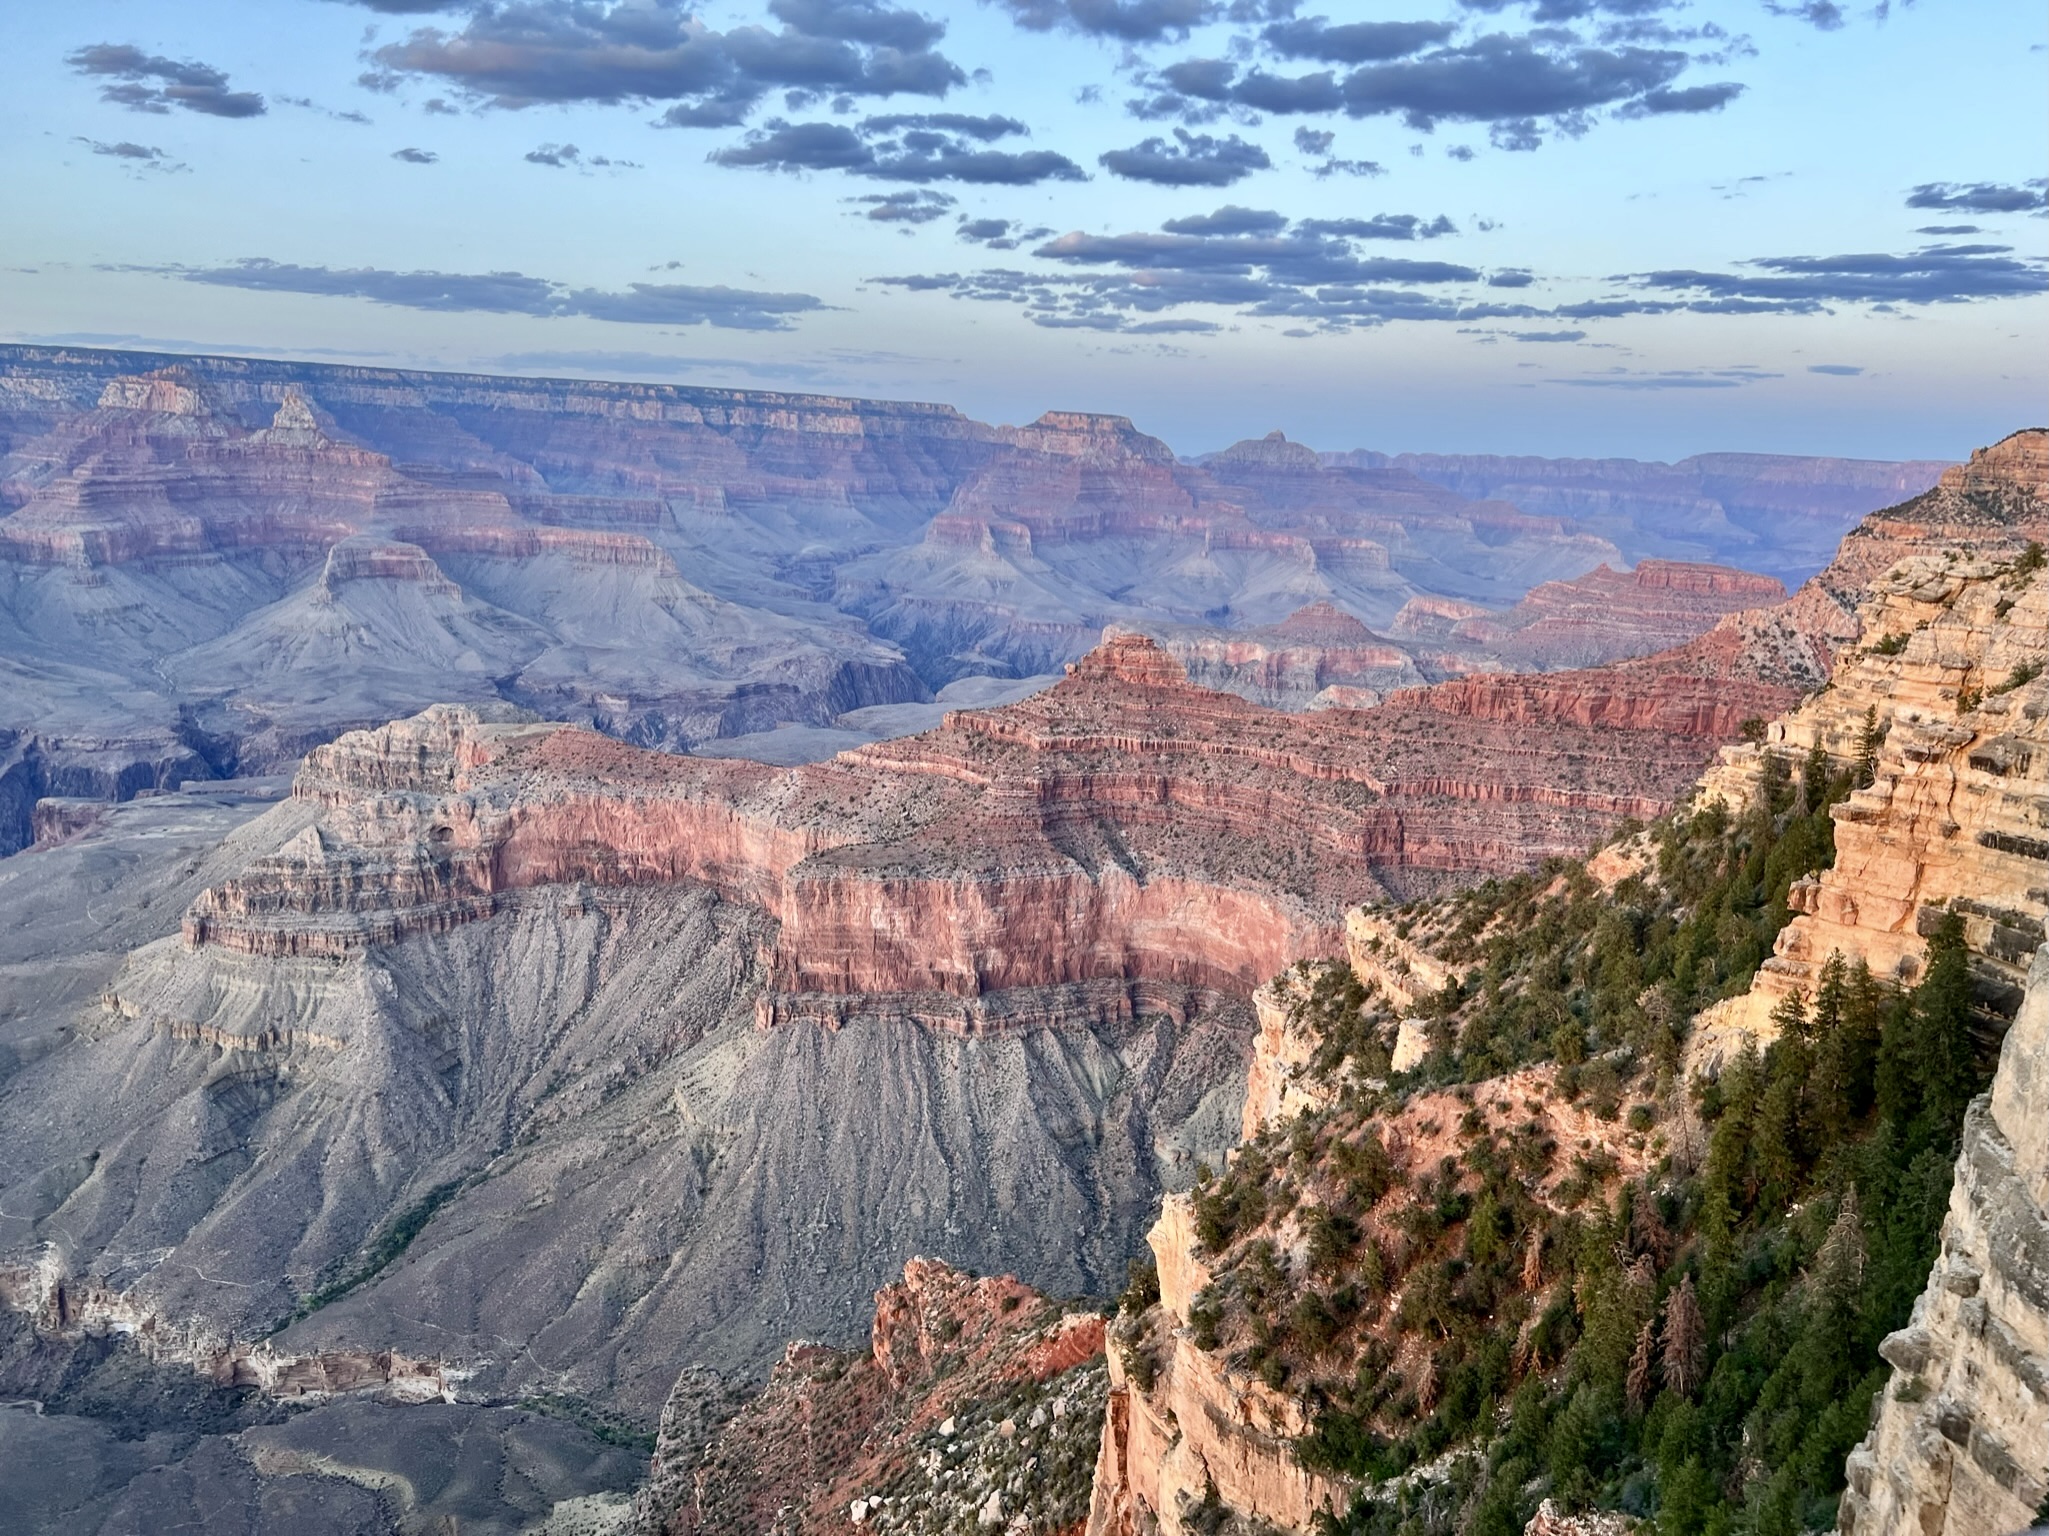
x=1131, y=21
x=1199, y=160
x=1935, y=274
x=1982, y=196
x=1336, y=167
x=512, y=293
x=568, y=157
x=1358, y=42
x=660, y=364
x=1823, y=15
x=1694, y=98
x=142, y=156
x=1671, y=378
x=1948, y=229
x=521, y=53
x=1836, y=370
x=908, y=207
x=409, y=7
x=1229, y=220
x=1314, y=141
x=413, y=156
x=916, y=148
x=1546, y=335
x=145, y=82
x=1512, y=81
x=1382, y=226
x=999, y=234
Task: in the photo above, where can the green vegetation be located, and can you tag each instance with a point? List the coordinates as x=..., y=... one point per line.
x=1695, y=1344
x=1890, y=644
x=602, y=1424
x=384, y=1250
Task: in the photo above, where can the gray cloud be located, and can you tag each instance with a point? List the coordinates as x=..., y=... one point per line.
x=1133, y=21
x=145, y=154
x=1823, y=15
x=909, y=207
x=915, y=148
x=1382, y=226
x=1936, y=274
x=659, y=364
x=145, y=82
x=1836, y=370
x=1508, y=80
x=1198, y=160
x=1982, y=196
x=1693, y=98
x=412, y=156
x=999, y=234
x=1358, y=42
x=1229, y=220
x=512, y=293
x=1674, y=378
x=519, y=53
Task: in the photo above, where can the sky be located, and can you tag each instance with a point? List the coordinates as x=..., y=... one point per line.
x=1616, y=227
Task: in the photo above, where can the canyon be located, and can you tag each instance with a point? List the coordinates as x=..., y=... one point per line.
x=209, y=565
x=537, y=895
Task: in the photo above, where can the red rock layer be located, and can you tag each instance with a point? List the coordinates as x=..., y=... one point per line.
x=1607, y=615
x=1121, y=827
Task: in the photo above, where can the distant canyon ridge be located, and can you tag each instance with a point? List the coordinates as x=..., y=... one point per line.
x=210, y=565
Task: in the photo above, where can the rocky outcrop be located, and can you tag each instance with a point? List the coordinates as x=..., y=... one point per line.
x=1960, y=1441
x=1319, y=656
x=1123, y=827
x=68, y=1309
x=1943, y=705
x=976, y=1405
x=1609, y=615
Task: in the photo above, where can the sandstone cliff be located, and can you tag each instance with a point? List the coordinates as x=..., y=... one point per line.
x=1960, y=1441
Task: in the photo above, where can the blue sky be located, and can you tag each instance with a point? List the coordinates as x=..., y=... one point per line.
x=1643, y=227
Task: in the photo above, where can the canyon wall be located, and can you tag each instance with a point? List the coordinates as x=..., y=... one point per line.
x=1960, y=1441
x=209, y=565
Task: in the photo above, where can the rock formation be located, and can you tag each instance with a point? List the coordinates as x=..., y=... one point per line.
x=977, y=1403
x=1960, y=1443
x=672, y=566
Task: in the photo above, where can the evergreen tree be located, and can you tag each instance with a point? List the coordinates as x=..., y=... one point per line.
x=1685, y=1340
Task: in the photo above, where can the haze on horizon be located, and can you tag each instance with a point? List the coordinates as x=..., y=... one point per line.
x=1637, y=227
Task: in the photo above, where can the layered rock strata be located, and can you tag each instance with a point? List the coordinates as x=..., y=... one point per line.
x=1960, y=1441
x=1123, y=827
x=1945, y=705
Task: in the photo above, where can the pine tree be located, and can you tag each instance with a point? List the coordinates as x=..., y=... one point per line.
x=1648, y=1233
x=1943, y=1050
x=1869, y=740
x=1685, y=1340
x=1829, y=1111
x=1642, y=1368
x=1814, y=777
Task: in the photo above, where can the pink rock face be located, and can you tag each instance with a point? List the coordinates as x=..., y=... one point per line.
x=1121, y=827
